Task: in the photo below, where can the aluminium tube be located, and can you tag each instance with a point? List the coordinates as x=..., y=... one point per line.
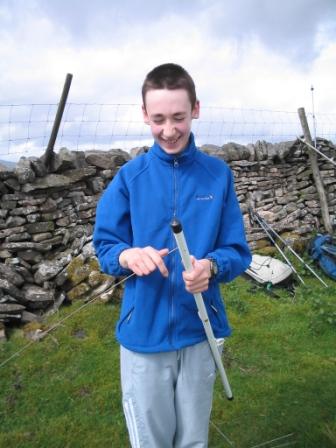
x=202, y=312
x=256, y=217
x=290, y=248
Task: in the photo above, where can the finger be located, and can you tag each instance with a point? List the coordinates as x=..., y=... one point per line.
x=197, y=287
x=147, y=263
x=139, y=262
x=193, y=260
x=163, y=252
x=157, y=260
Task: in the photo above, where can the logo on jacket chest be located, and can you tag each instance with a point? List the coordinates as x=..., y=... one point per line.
x=204, y=197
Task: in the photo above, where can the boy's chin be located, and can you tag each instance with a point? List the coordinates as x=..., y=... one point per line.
x=172, y=151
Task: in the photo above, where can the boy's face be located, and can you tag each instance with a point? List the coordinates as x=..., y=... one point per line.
x=169, y=115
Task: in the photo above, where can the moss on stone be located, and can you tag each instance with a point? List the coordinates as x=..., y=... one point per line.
x=269, y=251
x=78, y=270
x=97, y=277
x=78, y=292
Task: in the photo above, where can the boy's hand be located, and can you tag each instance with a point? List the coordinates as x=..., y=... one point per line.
x=143, y=261
x=197, y=280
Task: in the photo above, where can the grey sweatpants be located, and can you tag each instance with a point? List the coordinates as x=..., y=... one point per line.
x=167, y=397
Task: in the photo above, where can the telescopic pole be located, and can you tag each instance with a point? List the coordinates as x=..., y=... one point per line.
x=202, y=312
x=269, y=234
x=291, y=249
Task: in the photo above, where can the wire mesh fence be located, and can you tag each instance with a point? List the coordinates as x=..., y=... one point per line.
x=25, y=128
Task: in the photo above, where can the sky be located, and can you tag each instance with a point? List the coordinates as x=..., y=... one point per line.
x=260, y=54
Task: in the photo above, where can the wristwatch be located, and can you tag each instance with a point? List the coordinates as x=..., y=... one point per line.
x=213, y=268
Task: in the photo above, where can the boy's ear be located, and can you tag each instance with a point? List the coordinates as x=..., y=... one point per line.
x=196, y=110
x=145, y=115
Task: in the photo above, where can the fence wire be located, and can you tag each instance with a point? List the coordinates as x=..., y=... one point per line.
x=25, y=128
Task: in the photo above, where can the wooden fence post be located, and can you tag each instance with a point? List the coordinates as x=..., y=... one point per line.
x=49, y=153
x=316, y=172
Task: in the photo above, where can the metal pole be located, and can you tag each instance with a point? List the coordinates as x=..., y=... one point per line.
x=202, y=312
x=290, y=248
x=331, y=160
x=268, y=233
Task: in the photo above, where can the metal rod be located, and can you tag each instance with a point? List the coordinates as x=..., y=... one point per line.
x=262, y=225
x=331, y=160
x=291, y=249
x=275, y=440
x=202, y=312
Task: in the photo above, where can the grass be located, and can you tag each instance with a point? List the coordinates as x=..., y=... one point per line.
x=281, y=362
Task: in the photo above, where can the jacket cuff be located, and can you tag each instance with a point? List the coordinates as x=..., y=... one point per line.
x=222, y=266
x=115, y=265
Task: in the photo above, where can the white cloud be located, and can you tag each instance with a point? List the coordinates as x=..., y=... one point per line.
x=244, y=54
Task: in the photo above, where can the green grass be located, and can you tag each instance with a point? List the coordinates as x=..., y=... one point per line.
x=64, y=391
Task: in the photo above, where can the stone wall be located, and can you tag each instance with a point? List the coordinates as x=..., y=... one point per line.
x=46, y=219
x=46, y=225
x=277, y=181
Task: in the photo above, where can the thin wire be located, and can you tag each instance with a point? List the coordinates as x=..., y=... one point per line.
x=222, y=434
x=276, y=440
x=60, y=322
x=282, y=445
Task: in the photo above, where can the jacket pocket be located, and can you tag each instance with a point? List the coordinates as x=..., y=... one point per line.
x=126, y=318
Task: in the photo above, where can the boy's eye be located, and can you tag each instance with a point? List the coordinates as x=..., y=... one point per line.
x=160, y=120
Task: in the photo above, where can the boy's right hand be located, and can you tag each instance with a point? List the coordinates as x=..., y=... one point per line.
x=143, y=261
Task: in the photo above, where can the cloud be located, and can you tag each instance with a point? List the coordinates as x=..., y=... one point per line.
x=243, y=53
x=289, y=28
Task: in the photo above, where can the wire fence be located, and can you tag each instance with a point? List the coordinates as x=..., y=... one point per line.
x=25, y=128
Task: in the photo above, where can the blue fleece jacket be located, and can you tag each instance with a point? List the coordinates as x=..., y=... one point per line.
x=136, y=210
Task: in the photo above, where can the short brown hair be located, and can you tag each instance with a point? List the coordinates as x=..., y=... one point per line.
x=169, y=76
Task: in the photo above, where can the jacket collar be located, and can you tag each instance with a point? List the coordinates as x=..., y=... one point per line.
x=186, y=156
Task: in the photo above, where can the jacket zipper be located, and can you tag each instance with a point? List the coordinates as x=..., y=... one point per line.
x=173, y=271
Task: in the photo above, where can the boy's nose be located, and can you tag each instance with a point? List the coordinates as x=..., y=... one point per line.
x=169, y=131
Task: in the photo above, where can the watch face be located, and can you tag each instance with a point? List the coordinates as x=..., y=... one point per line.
x=213, y=267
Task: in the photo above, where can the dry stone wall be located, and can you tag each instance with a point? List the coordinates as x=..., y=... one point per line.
x=46, y=226
x=277, y=181
x=46, y=219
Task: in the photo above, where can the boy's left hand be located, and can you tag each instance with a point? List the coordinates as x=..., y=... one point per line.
x=197, y=280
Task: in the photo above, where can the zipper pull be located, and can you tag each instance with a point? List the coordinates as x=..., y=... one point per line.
x=176, y=163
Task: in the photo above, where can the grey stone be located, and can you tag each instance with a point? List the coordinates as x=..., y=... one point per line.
x=14, y=247
x=11, y=274
x=10, y=288
x=24, y=236
x=12, y=184
x=47, y=270
x=28, y=317
x=15, y=221
x=37, y=297
x=38, y=166
x=11, y=308
x=106, y=160
x=24, y=171
x=40, y=227
x=30, y=255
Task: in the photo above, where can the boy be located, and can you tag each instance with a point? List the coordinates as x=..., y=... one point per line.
x=167, y=370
